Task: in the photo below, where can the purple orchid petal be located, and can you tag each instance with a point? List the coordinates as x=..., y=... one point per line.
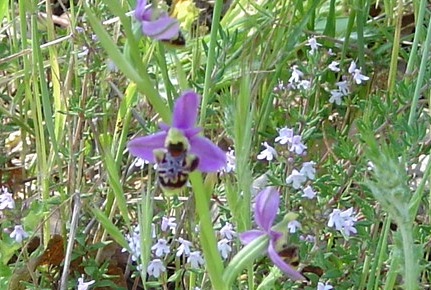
x=143, y=147
x=266, y=206
x=211, y=157
x=185, y=110
x=142, y=12
x=281, y=264
x=164, y=127
x=162, y=28
x=248, y=236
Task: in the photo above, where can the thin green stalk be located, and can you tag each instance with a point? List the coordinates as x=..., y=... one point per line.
x=419, y=81
x=211, y=58
x=419, y=19
x=393, y=68
x=213, y=260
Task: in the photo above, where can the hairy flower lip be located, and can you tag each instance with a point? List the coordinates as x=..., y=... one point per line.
x=211, y=157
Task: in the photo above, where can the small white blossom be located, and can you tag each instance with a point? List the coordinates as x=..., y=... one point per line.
x=308, y=169
x=195, y=259
x=284, y=136
x=267, y=153
x=343, y=87
x=342, y=221
x=155, y=268
x=304, y=84
x=139, y=162
x=168, y=222
x=335, y=97
x=160, y=248
x=296, y=75
x=293, y=226
x=296, y=179
x=313, y=44
x=227, y=231
x=279, y=87
x=308, y=192
x=224, y=248
x=352, y=67
x=326, y=286
x=84, y=285
x=358, y=77
x=297, y=146
x=6, y=199
x=356, y=73
x=134, y=245
x=184, y=248
x=18, y=234
x=308, y=238
x=230, y=161
x=334, y=66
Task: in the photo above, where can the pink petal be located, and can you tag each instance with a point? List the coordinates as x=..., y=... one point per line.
x=266, y=206
x=185, y=110
x=143, y=147
x=211, y=157
x=162, y=28
x=248, y=236
x=281, y=264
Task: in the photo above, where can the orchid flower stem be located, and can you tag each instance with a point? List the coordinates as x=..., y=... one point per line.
x=208, y=240
x=244, y=258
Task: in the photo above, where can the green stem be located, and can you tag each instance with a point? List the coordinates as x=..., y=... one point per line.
x=244, y=258
x=420, y=78
x=211, y=57
x=411, y=266
x=214, y=263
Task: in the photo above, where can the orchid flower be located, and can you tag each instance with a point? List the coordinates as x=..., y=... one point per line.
x=265, y=210
x=211, y=157
x=156, y=23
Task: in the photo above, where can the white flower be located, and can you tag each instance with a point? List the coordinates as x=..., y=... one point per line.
x=326, y=286
x=230, y=163
x=155, y=268
x=352, y=67
x=308, y=169
x=284, y=136
x=308, y=238
x=267, y=153
x=296, y=179
x=356, y=73
x=334, y=66
x=224, y=248
x=160, y=248
x=293, y=226
x=342, y=221
x=195, y=259
x=184, y=247
x=343, y=87
x=139, y=162
x=358, y=77
x=227, y=231
x=297, y=146
x=134, y=245
x=279, y=87
x=296, y=74
x=308, y=192
x=168, y=222
x=313, y=44
x=335, y=97
x=6, y=199
x=18, y=234
x=84, y=285
x=304, y=84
